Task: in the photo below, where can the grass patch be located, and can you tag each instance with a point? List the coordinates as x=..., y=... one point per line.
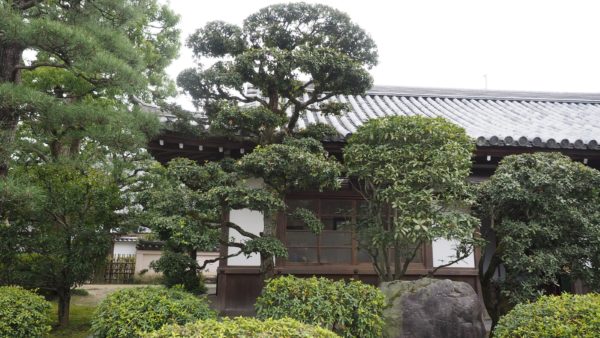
x=79, y=325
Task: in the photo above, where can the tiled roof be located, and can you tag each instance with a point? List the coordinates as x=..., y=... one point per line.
x=493, y=118
x=126, y=239
x=149, y=245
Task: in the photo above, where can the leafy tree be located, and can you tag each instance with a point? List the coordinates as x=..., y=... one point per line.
x=68, y=130
x=105, y=48
x=296, y=56
x=411, y=172
x=176, y=206
x=77, y=182
x=185, y=202
x=543, y=211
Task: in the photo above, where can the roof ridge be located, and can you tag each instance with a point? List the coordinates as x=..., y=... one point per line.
x=485, y=94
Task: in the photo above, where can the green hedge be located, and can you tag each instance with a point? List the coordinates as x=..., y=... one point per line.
x=553, y=316
x=23, y=313
x=243, y=327
x=351, y=309
x=134, y=311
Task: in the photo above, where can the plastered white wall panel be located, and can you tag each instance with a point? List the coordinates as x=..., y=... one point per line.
x=251, y=221
x=124, y=248
x=444, y=251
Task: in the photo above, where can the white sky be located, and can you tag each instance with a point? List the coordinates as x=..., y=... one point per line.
x=520, y=44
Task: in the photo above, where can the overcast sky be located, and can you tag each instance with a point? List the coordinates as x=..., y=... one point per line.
x=518, y=44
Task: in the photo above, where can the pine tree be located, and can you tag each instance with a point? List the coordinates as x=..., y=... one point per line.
x=297, y=56
x=69, y=139
x=106, y=48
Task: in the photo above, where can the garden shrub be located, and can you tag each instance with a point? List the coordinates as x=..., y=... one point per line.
x=134, y=311
x=179, y=269
x=351, y=309
x=243, y=327
x=23, y=313
x=553, y=316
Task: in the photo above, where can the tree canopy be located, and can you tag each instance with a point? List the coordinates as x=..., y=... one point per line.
x=73, y=50
x=184, y=203
x=543, y=211
x=296, y=55
x=69, y=71
x=412, y=173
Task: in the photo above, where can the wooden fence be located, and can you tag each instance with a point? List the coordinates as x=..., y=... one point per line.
x=119, y=269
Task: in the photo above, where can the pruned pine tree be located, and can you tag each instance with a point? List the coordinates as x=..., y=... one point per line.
x=296, y=57
x=89, y=49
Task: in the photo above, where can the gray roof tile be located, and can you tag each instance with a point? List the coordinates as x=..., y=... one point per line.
x=499, y=118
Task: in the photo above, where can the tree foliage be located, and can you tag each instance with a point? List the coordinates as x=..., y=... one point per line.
x=243, y=327
x=23, y=314
x=544, y=212
x=412, y=173
x=566, y=315
x=296, y=56
x=351, y=309
x=68, y=73
x=135, y=312
x=79, y=49
x=184, y=203
x=66, y=191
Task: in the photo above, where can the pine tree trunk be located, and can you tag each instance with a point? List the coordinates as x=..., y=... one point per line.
x=267, y=264
x=64, y=304
x=267, y=267
x=191, y=283
x=10, y=58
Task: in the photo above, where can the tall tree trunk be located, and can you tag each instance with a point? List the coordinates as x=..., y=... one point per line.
x=495, y=302
x=64, y=304
x=267, y=264
x=192, y=282
x=10, y=58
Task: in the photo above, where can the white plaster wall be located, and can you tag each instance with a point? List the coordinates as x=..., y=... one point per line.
x=124, y=248
x=145, y=257
x=211, y=268
x=251, y=221
x=444, y=251
x=143, y=260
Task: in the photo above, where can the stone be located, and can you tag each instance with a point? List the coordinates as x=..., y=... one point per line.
x=432, y=308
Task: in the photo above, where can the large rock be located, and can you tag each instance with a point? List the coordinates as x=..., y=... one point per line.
x=432, y=308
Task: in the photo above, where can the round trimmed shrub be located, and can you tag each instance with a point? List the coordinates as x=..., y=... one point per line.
x=243, y=327
x=133, y=312
x=351, y=309
x=23, y=313
x=553, y=316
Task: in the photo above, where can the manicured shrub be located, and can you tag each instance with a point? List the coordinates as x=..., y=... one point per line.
x=134, y=311
x=243, y=327
x=351, y=309
x=553, y=316
x=23, y=313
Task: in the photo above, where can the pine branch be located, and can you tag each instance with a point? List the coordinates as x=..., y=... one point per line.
x=240, y=230
x=456, y=260
x=37, y=65
x=214, y=260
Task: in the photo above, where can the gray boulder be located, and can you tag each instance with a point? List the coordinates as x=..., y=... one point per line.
x=432, y=308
